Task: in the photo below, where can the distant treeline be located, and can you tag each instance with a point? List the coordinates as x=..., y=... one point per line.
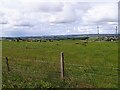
x=59, y=37
x=53, y=38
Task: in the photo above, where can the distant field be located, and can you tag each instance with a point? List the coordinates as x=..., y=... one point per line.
x=37, y=64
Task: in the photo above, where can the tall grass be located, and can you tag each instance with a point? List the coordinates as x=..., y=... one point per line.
x=36, y=64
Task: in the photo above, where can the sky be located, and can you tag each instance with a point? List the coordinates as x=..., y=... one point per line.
x=57, y=17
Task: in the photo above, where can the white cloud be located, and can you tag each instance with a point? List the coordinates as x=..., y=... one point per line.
x=42, y=6
x=67, y=15
x=112, y=23
x=106, y=12
x=53, y=17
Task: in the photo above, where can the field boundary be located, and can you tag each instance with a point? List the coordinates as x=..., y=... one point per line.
x=77, y=66
x=43, y=61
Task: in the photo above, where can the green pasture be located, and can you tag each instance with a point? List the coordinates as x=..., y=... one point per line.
x=88, y=64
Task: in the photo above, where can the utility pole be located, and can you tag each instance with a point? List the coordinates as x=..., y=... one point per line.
x=2, y=26
x=98, y=32
x=116, y=32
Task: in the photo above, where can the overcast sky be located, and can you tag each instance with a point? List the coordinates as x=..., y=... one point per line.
x=57, y=17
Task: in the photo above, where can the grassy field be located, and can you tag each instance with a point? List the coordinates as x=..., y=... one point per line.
x=37, y=64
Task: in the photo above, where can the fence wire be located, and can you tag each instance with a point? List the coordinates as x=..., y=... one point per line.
x=68, y=66
x=41, y=69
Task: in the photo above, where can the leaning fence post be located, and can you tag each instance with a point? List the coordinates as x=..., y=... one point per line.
x=8, y=68
x=62, y=65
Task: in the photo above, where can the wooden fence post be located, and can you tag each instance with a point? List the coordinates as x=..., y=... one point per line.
x=8, y=68
x=62, y=65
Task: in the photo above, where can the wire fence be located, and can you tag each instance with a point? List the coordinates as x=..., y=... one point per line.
x=14, y=62
x=74, y=73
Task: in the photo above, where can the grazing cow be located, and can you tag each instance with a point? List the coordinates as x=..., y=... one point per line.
x=76, y=43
